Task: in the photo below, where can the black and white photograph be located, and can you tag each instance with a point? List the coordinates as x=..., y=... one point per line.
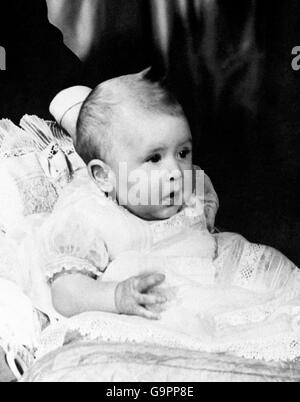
x=149, y=194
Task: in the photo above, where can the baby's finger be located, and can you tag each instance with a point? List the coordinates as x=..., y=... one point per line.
x=150, y=300
x=157, y=308
x=150, y=315
x=150, y=281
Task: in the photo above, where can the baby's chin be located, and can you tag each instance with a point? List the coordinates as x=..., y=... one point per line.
x=161, y=213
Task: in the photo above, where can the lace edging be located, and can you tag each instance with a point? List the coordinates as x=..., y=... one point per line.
x=35, y=135
x=68, y=266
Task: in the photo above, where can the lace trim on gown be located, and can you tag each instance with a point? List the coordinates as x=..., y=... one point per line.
x=69, y=265
x=191, y=216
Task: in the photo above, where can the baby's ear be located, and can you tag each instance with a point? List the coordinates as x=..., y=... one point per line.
x=102, y=175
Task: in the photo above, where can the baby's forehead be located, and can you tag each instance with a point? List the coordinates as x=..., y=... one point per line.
x=131, y=122
x=143, y=129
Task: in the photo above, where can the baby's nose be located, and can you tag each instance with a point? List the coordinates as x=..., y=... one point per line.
x=174, y=175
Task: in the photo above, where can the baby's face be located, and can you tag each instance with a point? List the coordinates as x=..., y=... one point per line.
x=152, y=159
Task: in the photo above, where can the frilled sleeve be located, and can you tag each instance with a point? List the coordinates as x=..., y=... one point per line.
x=73, y=242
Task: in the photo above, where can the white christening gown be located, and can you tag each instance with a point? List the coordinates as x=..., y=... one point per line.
x=224, y=294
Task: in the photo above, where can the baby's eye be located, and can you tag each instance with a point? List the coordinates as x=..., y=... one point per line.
x=154, y=159
x=185, y=153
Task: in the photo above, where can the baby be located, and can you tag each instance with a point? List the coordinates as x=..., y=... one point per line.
x=132, y=234
x=135, y=124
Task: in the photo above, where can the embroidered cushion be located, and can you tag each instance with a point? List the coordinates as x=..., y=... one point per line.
x=37, y=160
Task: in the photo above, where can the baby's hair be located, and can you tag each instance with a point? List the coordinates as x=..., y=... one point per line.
x=94, y=127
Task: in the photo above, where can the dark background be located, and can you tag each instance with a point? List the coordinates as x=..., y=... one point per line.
x=229, y=63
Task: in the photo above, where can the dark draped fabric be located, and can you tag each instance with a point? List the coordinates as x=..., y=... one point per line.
x=38, y=63
x=229, y=62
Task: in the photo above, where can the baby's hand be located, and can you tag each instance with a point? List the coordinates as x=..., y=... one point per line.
x=132, y=296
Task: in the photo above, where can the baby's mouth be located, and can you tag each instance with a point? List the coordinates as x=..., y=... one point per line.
x=171, y=199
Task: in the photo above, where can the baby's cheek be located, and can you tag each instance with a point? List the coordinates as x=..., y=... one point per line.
x=187, y=191
x=139, y=191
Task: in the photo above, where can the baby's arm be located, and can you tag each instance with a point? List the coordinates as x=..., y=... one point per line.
x=75, y=239
x=75, y=294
